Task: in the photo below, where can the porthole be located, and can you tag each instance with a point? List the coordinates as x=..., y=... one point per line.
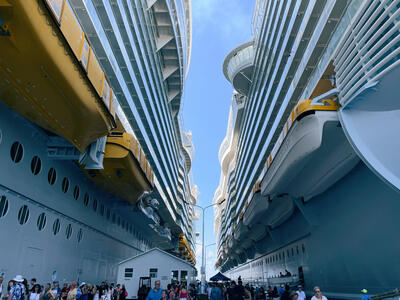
x=56, y=226
x=16, y=152
x=86, y=199
x=95, y=205
x=3, y=206
x=36, y=165
x=108, y=214
x=113, y=218
x=41, y=221
x=65, y=185
x=51, y=176
x=102, y=210
x=76, y=192
x=68, y=231
x=80, y=235
x=23, y=214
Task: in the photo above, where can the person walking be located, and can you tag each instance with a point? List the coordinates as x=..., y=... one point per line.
x=318, y=294
x=155, y=293
x=73, y=291
x=301, y=293
x=215, y=293
x=48, y=293
x=365, y=295
x=56, y=290
x=184, y=294
x=17, y=290
x=35, y=293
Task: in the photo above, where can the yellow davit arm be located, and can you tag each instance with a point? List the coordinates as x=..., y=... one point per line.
x=49, y=73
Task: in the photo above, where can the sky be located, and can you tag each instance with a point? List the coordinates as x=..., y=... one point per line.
x=218, y=27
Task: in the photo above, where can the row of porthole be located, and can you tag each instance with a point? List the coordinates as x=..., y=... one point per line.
x=17, y=153
x=23, y=217
x=281, y=255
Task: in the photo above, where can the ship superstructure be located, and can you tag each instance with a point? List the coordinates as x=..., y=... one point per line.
x=313, y=161
x=96, y=166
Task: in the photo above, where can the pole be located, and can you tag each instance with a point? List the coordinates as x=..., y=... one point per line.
x=203, y=267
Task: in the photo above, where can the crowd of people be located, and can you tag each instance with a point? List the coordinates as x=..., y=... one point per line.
x=230, y=291
x=19, y=289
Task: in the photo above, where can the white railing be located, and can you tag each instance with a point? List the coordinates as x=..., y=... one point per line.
x=369, y=49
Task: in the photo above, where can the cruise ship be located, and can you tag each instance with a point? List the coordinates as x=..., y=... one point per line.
x=95, y=162
x=310, y=168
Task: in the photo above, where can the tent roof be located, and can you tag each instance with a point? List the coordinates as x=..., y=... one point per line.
x=219, y=277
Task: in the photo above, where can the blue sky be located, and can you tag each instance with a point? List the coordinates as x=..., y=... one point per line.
x=218, y=27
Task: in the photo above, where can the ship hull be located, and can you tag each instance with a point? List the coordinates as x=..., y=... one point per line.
x=343, y=240
x=100, y=233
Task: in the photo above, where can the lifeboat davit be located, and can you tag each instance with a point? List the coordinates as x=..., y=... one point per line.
x=49, y=73
x=127, y=173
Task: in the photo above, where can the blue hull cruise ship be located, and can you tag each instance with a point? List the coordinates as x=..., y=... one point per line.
x=310, y=168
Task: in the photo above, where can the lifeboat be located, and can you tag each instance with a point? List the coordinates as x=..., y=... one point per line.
x=127, y=173
x=311, y=154
x=241, y=230
x=256, y=211
x=49, y=73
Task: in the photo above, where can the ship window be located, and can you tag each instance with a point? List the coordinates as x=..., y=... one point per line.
x=80, y=235
x=68, y=231
x=41, y=221
x=292, y=252
x=123, y=223
x=23, y=214
x=108, y=214
x=16, y=152
x=280, y=256
x=283, y=254
x=297, y=249
x=56, y=226
x=303, y=248
x=3, y=206
x=113, y=218
x=119, y=220
x=287, y=252
x=94, y=204
x=36, y=165
x=86, y=199
x=52, y=175
x=76, y=192
x=102, y=210
x=65, y=185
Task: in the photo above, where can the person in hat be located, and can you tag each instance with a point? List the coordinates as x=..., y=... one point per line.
x=300, y=292
x=365, y=295
x=73, y=290
x=17, y=291
x=56, y=290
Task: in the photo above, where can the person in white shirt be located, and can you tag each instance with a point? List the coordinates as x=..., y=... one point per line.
x=300, y=292
x=318, y=294
x=1, y=287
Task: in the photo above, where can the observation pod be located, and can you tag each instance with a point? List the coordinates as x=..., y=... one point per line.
x=238, y=67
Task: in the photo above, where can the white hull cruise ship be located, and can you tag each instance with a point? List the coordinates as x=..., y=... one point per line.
x=310, y=170
x=95, y=165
